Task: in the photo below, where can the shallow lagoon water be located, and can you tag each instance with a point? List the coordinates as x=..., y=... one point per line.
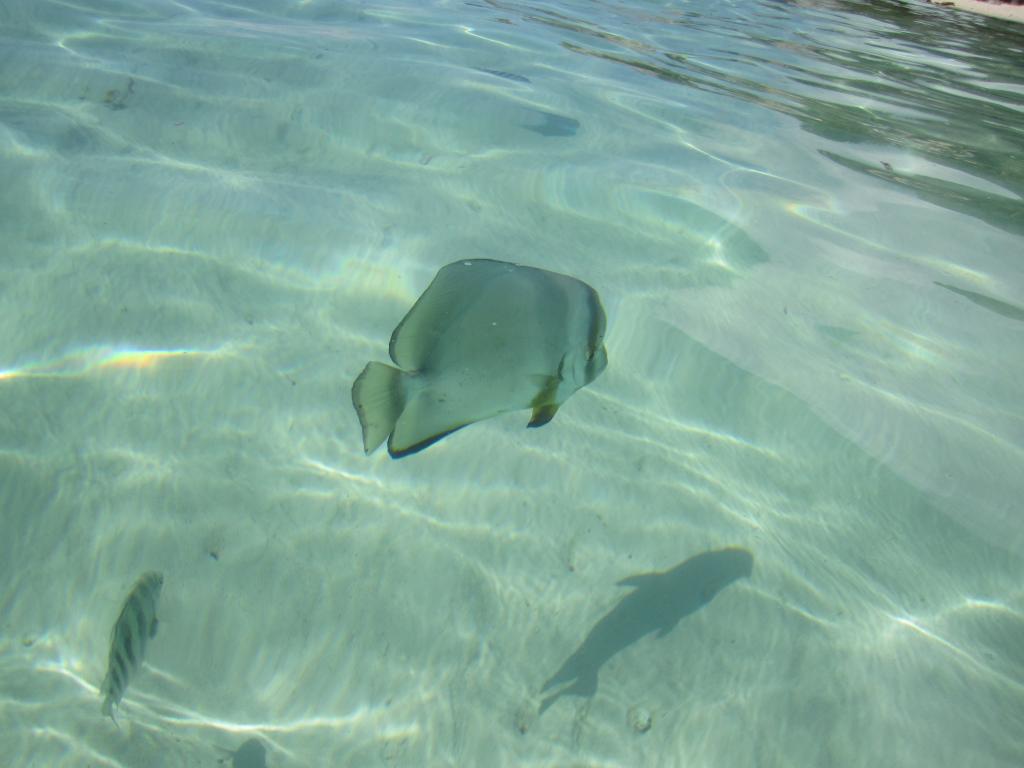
x=804, y=221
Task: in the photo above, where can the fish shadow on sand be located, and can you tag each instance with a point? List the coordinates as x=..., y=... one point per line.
x=658, y=602
x=550, y=124
x=251, y=754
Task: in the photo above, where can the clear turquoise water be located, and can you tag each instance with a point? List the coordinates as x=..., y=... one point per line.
x=805, y=222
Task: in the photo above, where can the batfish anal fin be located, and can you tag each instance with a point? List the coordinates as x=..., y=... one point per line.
x=542, y=414
x=397, y=453
x=428, y=418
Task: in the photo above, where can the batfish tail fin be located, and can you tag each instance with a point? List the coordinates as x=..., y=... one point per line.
x=378, y=395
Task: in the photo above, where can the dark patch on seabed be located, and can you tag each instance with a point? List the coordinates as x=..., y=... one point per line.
x=659, y=602
x=987, y=302
x=251, y=754
x=115, y=99
x=998, y=211
x=550, y=124
x=512, y=76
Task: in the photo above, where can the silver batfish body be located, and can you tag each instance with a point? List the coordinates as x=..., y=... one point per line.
x=486, y=337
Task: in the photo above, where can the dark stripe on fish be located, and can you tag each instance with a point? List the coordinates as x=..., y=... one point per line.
x=595, y=331
x=596, y=359
x=128, y=650
x=116, y=676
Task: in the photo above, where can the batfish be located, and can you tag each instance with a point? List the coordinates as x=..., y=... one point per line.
x=486, y=337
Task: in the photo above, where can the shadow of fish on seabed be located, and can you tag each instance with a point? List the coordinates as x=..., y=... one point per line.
x=550, y=124
x=659, y=602
x=251, y=754
x=512, y=76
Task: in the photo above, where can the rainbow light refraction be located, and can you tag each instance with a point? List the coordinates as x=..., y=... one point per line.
x=90, y=360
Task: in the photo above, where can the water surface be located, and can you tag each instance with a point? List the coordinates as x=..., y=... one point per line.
x=805, y=222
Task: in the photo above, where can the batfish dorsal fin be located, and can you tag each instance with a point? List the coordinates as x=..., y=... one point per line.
x=454, y=289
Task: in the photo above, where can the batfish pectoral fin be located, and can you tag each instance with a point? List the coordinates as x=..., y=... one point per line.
x=153, y=626
x=544, y=405
x=542, y=414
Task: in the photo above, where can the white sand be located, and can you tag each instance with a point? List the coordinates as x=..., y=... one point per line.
x=997, y=10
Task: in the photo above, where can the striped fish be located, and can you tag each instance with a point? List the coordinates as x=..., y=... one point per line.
x=132, y=632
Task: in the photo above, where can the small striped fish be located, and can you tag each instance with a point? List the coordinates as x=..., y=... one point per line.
x=132, y=632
